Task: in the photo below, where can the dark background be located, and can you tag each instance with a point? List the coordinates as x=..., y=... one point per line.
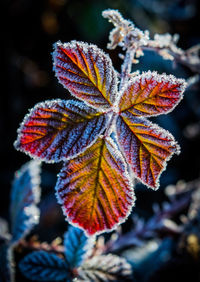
x=29, y=30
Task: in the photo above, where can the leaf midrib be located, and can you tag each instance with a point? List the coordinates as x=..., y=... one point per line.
x=86, y=74
x=97, y=176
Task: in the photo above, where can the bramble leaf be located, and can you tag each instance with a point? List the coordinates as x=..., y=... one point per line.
x=151, y=94
x=105, y=268
x=87, y=72
x=94, y=189
x=77, y=246
x=58, y=130
x=43, y=266
x=25, y=194
x=146, y=146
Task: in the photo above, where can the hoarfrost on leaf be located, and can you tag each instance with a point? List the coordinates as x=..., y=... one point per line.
x=87, y=72
x=146, y=146
x=95, y=189
x=44, y=266
x=77, y=246
x=25, y=195
x=95, y=185
x=105, y=268
x=59, y=130
x=151, y=94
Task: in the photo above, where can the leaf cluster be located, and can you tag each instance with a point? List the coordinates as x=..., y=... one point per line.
x=105, y=139
x=77, y=259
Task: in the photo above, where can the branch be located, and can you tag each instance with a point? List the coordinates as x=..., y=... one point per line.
x=186, y=58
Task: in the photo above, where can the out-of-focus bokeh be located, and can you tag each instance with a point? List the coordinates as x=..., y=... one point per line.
x=28, y=32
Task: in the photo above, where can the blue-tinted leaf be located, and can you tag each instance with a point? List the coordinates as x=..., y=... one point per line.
x=6, y=264
x=43, y=266
x=77, y=246
x=25, y=195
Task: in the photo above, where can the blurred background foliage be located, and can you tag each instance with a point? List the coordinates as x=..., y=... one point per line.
x=29, y=30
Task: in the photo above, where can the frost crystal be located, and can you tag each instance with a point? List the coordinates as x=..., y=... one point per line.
x=125, y=33
x=87, y=72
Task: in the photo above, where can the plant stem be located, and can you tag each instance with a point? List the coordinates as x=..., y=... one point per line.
x=126, y=67
x=109, y=127
x=125, y=71
x=184, y=58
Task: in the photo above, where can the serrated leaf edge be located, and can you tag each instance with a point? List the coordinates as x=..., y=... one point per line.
x=32, y=110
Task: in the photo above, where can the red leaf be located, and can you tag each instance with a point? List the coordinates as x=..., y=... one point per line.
x=151, y=94
x=58, y=130
x=87, y=72
x=94, y=189
x=146, y=146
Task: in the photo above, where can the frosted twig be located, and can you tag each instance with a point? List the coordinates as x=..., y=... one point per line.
x=126, y=35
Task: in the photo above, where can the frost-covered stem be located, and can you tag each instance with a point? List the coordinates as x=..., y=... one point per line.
x=109, y=127
x=126, y=67
x=182, y=58
x=125, y=71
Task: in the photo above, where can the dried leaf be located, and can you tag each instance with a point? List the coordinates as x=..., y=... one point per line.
x=58, y=130
x=87, y=72
x=146, y=146
x=151, y=94
x=94, y=189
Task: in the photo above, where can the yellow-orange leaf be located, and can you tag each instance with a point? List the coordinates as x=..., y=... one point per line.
x=94, y=189
x=151, y=94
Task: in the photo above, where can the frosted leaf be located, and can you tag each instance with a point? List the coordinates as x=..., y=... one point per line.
x=58, y=130
x=94, y=189
x=105, y=268
x=25, y=194
x=146, y=146
x=44, y=266
x=151, y=94
x=87, y=72
x=77, y=246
